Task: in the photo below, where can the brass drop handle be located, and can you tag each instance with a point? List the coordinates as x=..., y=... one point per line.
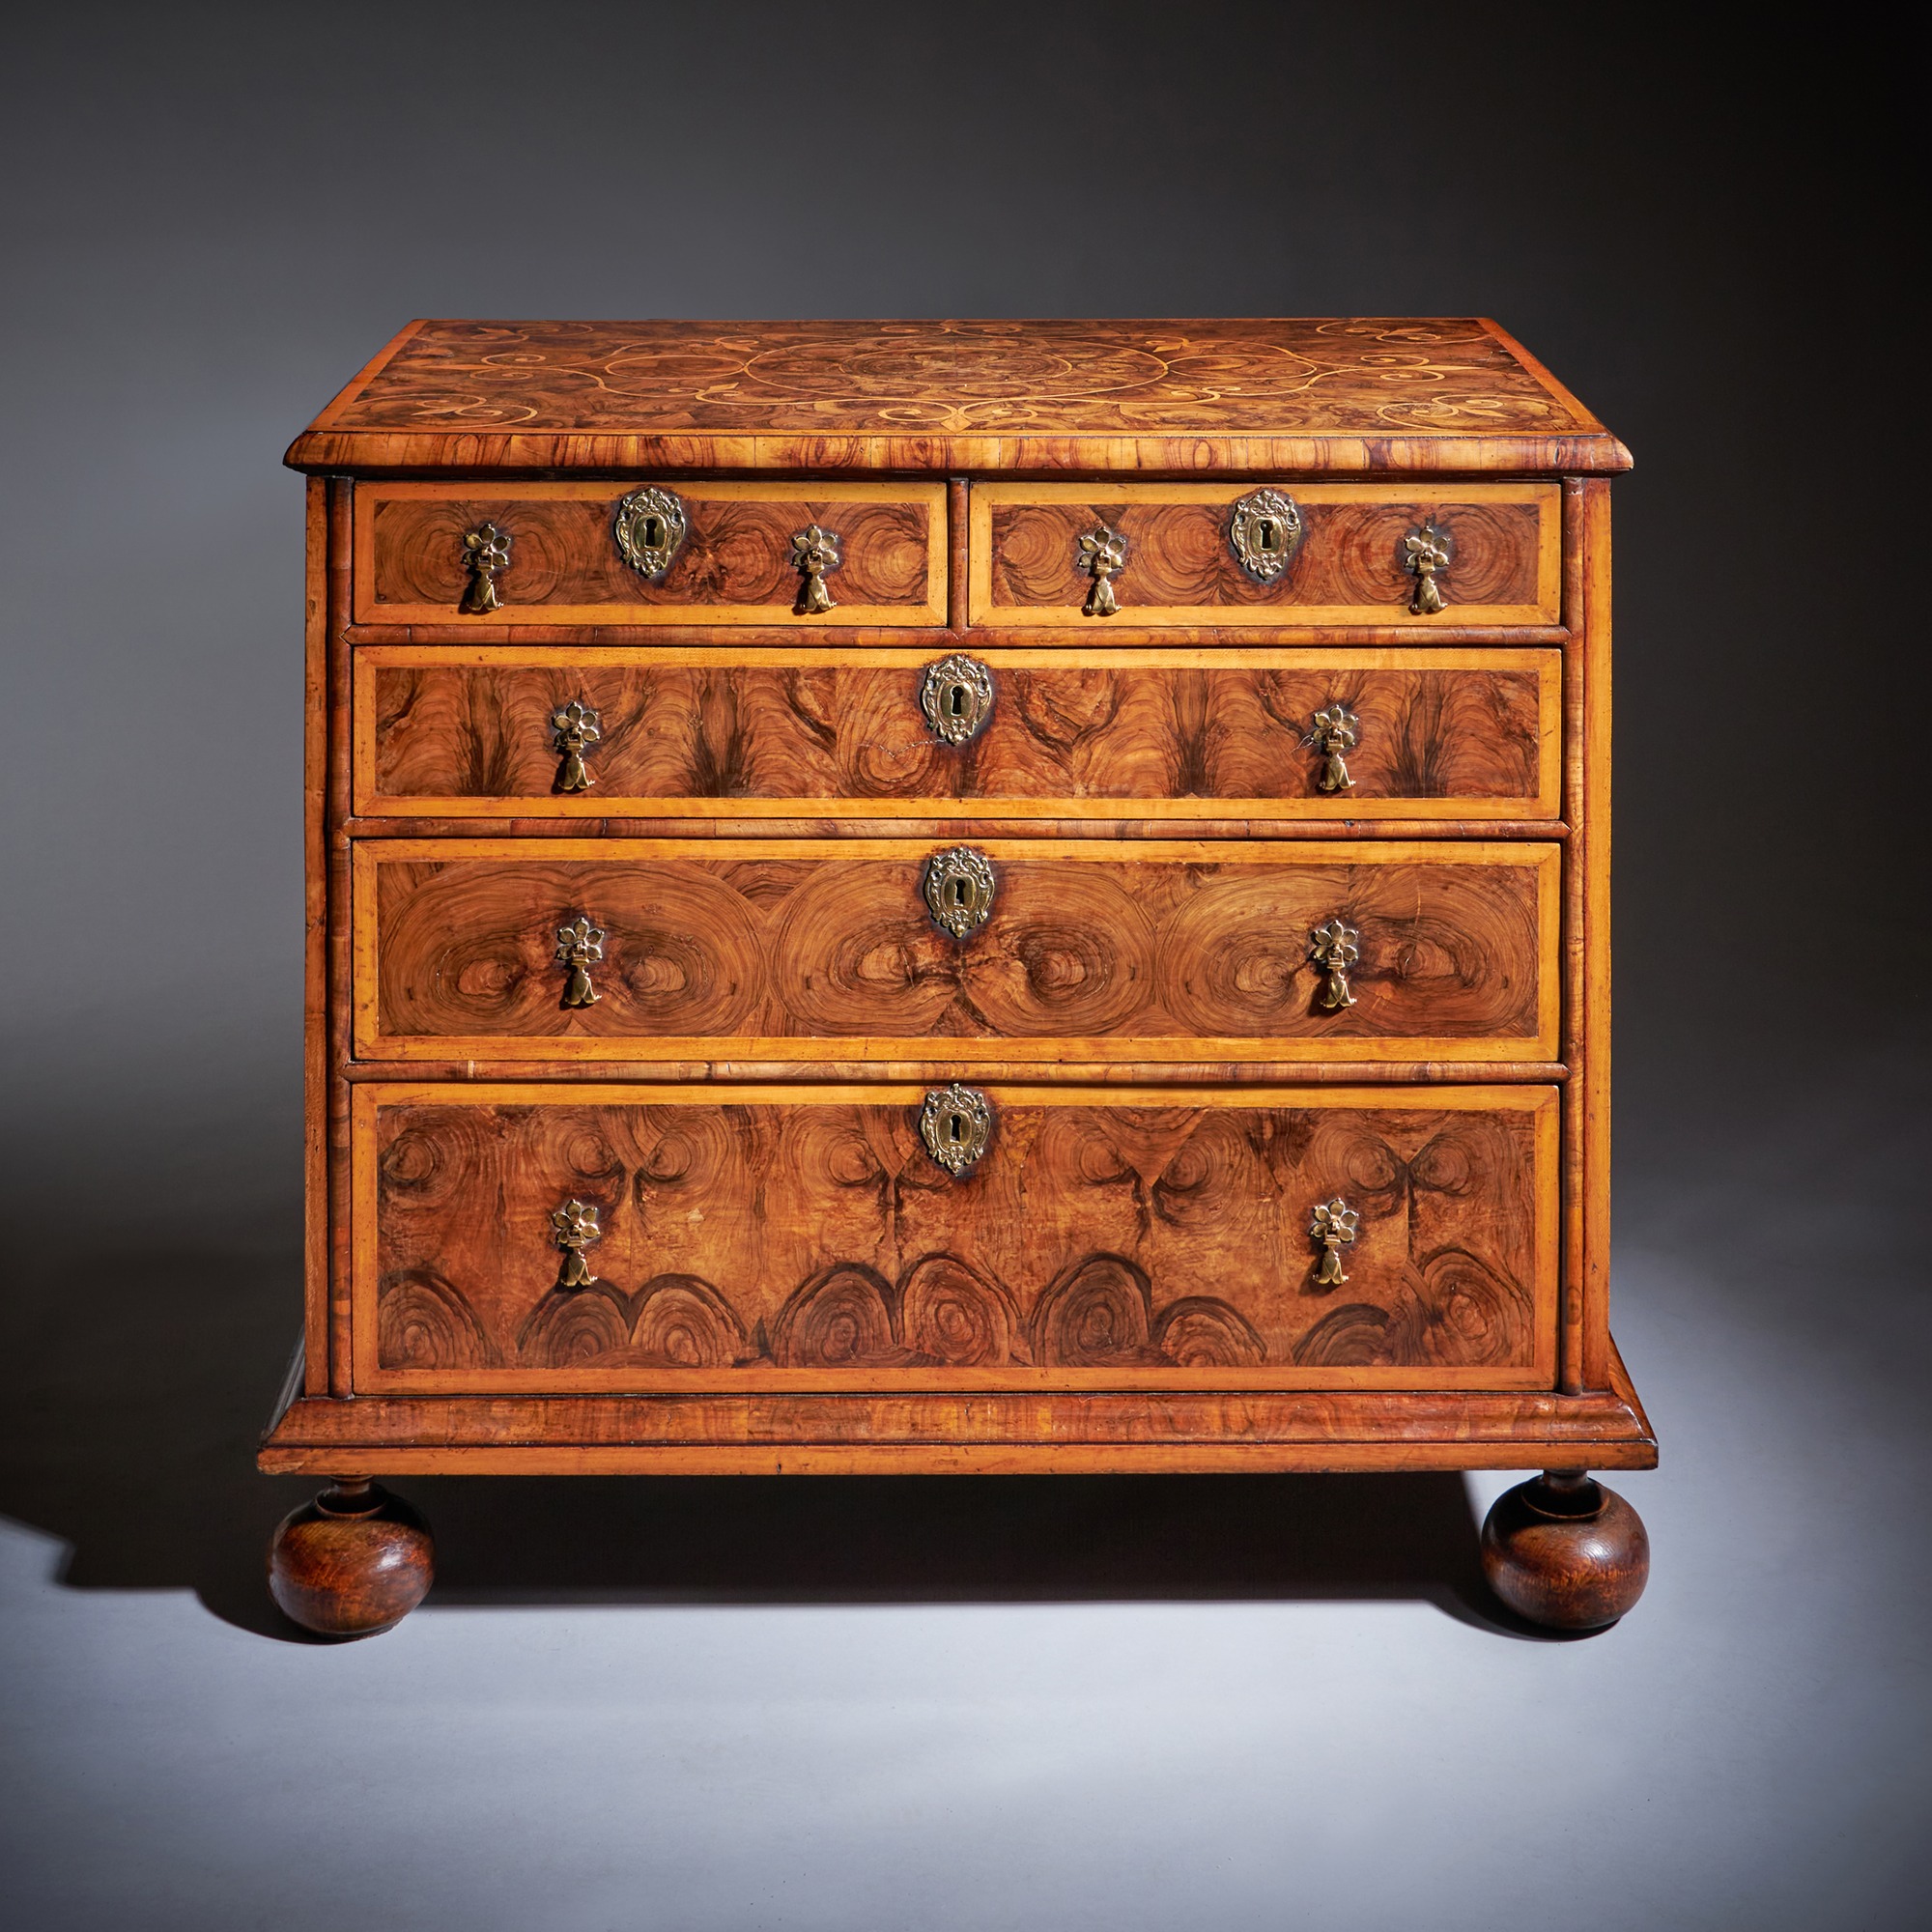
x=1336, y=948
x=486, y=550
x=813, y=552
x=573, y=1227
x=649, y=524
x=957, y=1123
x=1103, y=556
x=957, y=696
x=959, y=887
x=579, y=946
x=1335, y=729
x=1424, y=554
x=1334, y=1226
x=573, y=729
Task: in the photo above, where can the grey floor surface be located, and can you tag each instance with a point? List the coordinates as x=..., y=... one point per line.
x=1069, y=1704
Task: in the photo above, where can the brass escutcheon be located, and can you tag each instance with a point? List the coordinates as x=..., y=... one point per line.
x=1103, y=556
x=573, y=1227
x=1336, y=729
x=957, y=696
x=955, y=1124
x=1335, y=947
x=573, y=729
x=814, y=551
x=579, y=946
x=486, y=550
x=1334, y=1226
x=1424, y=553
x=959, y=890
x=649, y=525
x=1266, y=531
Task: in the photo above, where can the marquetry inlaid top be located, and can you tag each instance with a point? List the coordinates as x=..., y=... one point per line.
x=1360, y=394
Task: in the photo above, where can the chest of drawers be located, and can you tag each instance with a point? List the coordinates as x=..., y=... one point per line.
x=957, y=896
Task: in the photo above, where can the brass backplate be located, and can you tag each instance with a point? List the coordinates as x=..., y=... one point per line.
x=959, y=889
x=1266, y=531
x=955, y=1124
x=957, y=696
x=649, y=525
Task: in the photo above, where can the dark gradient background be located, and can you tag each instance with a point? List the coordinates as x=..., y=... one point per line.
x=1255, y=1702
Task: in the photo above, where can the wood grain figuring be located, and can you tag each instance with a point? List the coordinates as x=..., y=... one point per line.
x=802, y=949
x=1570, y=1344
x=353, y=1563
x=1362, y=393
x=316, y=1088
x=733, y=567
x=1046, y=631
x=1595, y=1151
x=452, y=733
x=940, y=1432
x=1565, y=1551
x=1303, y=1071
x=1181, y=567
x=785, y=1280
x=806, y=1233
x=338, y=938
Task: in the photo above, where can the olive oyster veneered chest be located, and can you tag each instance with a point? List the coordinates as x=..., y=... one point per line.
x=957, y=896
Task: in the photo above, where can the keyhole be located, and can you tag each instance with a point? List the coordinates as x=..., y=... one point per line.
x=955, y=1127
x=654, y=533
x=1265, y=537
x=957, y=704
x=959, y=890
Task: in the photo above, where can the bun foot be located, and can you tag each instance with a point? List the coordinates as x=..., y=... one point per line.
x=355, y=1562
x=1565, y=1551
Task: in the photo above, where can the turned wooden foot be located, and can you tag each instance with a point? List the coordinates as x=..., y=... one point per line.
x=354, y=1562
x=1564, y=1551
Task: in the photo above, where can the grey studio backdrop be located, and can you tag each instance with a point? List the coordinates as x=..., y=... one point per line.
x=1242, y=1702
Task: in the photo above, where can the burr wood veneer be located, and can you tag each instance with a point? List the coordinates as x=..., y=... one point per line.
x=809, y=949
x=934, y=896
x=444, y=731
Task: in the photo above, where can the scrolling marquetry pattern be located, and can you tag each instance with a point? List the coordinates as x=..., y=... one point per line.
x=823, y=1237
x=737, y=552
x=842, y=731
x=1179, y=555
x=1268, y=377
x=835, y=948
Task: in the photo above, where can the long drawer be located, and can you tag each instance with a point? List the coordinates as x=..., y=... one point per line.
x=1166, y=555
x=623, y=553
x=638, y=1237
x=466, y=731
x=843, y=950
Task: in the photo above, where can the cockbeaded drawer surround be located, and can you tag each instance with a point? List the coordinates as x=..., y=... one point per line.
x=887, y=903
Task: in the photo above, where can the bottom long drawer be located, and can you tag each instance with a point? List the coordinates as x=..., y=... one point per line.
x=654, y=1238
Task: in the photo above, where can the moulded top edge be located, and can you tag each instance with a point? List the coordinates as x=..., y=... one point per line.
x=360, y=453
x=1348, y=394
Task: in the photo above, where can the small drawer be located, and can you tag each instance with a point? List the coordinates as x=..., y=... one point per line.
x=656, y=552
x=682, y=1237
x=455, y=732
x=1265, y=556
x=1035, y=949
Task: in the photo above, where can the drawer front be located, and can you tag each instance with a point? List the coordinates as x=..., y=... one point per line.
x=1354, y=556
x=790, y=1238
x=459, y=731
x=800, y=950
x=594, y=552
